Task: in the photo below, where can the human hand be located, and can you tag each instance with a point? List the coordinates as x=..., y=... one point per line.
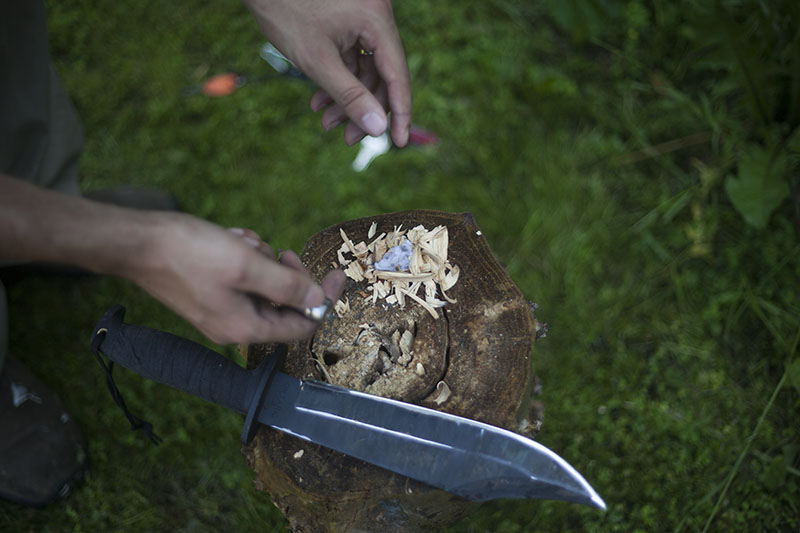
x=325, y=40
x=224, y=282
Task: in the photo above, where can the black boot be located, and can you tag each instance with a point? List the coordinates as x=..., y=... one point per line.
x=42, y=452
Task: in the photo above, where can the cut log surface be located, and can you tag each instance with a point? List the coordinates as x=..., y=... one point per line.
x=472, y=361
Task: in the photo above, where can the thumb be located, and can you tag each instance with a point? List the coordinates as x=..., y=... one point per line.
x=356, y=100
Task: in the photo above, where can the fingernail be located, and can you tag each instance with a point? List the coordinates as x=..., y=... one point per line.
x=373, y=123
x=237, y=231
x=255, y=243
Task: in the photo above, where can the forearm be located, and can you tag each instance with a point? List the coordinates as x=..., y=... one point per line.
x=42, y=225
x=212, y=277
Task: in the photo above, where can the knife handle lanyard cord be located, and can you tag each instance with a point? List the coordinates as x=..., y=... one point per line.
x=136, y=422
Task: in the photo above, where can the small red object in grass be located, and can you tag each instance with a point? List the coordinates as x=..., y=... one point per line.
x=419, y=137
x=222, y=84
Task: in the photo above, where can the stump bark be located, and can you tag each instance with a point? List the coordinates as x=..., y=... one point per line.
x=473, y=361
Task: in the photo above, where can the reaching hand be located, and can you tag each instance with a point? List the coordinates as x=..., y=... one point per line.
x=224, y=282
x=352, y=49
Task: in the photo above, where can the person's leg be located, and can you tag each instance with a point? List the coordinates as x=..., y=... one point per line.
x=41, y=135
x=59, y=165
x=41, y=448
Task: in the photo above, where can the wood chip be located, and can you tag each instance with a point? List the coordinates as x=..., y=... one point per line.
x=350, y=246
x=451, y=278
x=423, y=303
x=380, y=251
x=361, y=250
x=442, y=393
x=428, y=267
x=342, y=307
x=402, y=276
x=354, y=271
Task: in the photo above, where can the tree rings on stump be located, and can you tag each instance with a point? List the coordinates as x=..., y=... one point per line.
x=472, y=361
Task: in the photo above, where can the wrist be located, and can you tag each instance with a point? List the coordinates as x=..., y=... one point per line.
x=133, y=247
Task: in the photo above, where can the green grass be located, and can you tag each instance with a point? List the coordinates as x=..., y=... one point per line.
x=672, y=321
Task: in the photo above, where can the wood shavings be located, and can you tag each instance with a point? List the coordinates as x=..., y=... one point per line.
x=421, y=302
x=428, y=267
x=450, y=278
x=354, y=271
x=442, y=393
x=402, y=276
x=380, y=248
x=342, y=307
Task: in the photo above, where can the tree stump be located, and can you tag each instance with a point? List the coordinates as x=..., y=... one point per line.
x=473, y=361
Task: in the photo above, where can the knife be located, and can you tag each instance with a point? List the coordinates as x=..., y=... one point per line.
x=468, y=458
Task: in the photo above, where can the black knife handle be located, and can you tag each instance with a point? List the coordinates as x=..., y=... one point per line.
x=183, y=364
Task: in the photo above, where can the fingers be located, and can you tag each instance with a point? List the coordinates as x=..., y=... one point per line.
x=390, y=60
x=226, y=282
x=367, y=74
x=369, y=77
x=275, y=282
x=320, y=100
x=268, y=324
x=352, y=133
x=352, y=88
x=284, y=325
x=345, y=88
x=252, y=239
x=290, y=259
x=333, y=284
x=324, y=39
x=335, y=114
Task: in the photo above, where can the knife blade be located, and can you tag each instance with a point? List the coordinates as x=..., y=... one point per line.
x=468, y=458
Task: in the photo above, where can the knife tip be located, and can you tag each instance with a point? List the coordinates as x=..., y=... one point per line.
x=598, y=502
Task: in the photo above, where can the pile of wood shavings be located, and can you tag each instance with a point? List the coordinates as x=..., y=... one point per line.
x=428, y=267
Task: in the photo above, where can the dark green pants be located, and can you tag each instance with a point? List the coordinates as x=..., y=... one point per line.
x=40, y=134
